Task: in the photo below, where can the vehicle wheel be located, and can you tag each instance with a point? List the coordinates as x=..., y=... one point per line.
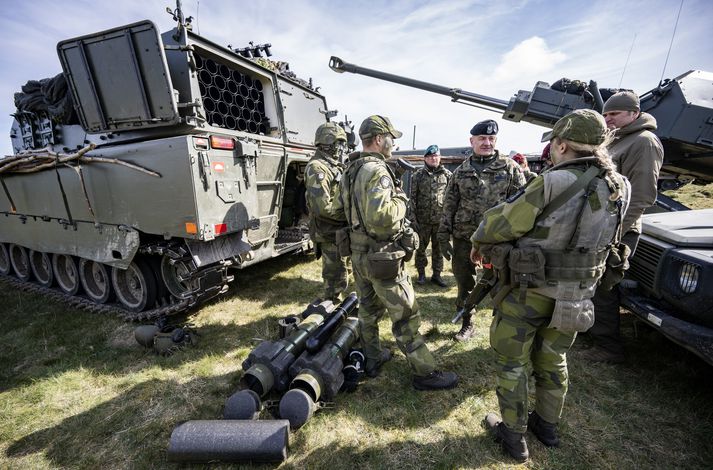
x=5, y=265
x=171, y=273
x=135, y=287
x=41, y=266
x=20, y=262
x=66, y=272
x=96, y=280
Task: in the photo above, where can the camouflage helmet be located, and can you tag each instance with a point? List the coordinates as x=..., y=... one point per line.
x=585, y=126
x=328, y=133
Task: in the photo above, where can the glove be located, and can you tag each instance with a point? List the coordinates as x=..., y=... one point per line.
x=446, y=249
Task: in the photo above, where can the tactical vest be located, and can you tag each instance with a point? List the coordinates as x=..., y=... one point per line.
x=361, y=239
x=576, y=237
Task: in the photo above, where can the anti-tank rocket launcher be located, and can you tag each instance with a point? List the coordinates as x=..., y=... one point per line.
x=267, y=365
x=318, y=376
x=682, y=106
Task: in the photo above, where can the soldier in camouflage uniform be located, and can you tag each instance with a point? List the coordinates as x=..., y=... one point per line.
x=482, y=181
x=428, y=189
x=375, y=209
x=322, y=177
x=550, y=245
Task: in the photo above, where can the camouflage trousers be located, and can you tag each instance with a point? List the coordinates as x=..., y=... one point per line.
x=397, y=297
x=463, y=269
x=427, y=235
x=523, y=344
x=335, y=271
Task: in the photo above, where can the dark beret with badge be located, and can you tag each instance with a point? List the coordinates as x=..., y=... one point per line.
x=487, y=127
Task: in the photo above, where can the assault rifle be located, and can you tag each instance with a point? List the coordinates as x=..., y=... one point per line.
x=482, y=288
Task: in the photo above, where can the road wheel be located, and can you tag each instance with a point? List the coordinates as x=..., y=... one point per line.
x=41, y=266
x=135, y=287
x=5, y=264
x=66, y=273
x=96, y=280
x=20, y=262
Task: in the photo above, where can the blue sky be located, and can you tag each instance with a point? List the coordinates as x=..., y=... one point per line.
x=489, y=47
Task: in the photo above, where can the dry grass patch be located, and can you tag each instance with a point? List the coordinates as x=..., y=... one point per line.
x=77, y=391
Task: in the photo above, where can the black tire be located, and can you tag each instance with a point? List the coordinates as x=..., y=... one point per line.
x=96, y=280
x=20, y=260
x=135, y=287
x=5, y=265
x=41, y=266
x=66, y=273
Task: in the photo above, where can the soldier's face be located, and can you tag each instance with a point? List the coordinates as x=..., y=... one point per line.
x=556, y=151
x=432, y=160
x=483, y=145
x=619, y=119
x=387, y=144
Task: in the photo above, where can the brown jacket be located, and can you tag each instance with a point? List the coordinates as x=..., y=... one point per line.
x=638, y=155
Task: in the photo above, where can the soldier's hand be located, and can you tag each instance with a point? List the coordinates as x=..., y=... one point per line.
x=446, y=249
x=475, y=258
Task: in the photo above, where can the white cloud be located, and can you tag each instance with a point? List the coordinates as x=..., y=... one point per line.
x=530, y=57
x=490, y=48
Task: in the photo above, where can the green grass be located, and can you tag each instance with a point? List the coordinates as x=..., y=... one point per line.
x=76, y=391
x=694, y=196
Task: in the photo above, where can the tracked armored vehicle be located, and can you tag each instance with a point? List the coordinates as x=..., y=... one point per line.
x=668, y=284
x=167, y=161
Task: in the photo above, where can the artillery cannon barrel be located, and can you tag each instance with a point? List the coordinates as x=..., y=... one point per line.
x=493, y=104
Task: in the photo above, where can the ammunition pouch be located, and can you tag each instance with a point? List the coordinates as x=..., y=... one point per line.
x=385, y=259
x=572, y=316
x=616, y=265
x=527, y=269
x=343, y=242
x=499, y=258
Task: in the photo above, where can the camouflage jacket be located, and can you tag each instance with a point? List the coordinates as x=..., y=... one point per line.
x=471, y=192
x=368, y=194
x=322, y=177
x=428, y=190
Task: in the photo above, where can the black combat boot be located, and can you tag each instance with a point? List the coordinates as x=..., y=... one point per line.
x=436, y=380
x=437, y=279
x=421, y=277
x=466, y=330
x=544, y=431
x=372, y=369
x=513, y=443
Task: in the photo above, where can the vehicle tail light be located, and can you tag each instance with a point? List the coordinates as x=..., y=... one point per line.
x=223, y=143
x=220, y=228
x=200, y=143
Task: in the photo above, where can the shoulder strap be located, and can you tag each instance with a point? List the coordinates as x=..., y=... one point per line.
x=353, y=172
x=568, y=193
